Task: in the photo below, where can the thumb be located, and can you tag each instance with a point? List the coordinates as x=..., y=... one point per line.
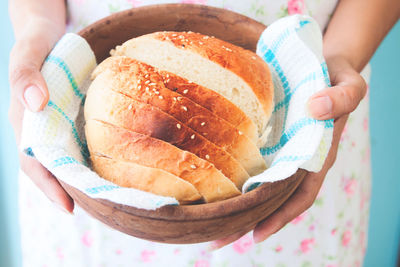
x=341, y=99
x=27, y=83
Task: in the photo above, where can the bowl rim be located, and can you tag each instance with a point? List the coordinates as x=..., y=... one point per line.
x=204, y=211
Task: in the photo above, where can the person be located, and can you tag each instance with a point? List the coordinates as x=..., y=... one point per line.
x=324, y=223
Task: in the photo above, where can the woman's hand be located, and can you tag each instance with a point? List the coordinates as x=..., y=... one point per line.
x=348, y=88
x=36, y=34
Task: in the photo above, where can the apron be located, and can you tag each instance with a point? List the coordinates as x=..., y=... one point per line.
x=331, y=233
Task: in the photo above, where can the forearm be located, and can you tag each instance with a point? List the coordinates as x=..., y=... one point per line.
x=32, y=17
x=357, y=28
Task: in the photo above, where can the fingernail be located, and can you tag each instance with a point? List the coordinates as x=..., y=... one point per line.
x=258, y=239
x=58, y=206
x=320, y=106
x=34, y=98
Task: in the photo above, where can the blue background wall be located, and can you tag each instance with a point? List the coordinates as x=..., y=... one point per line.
x=384, y=231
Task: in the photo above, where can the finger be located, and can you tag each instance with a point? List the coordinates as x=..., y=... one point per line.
x=47, y=183
x=27, y=83
x=217, y=244
x=300, y=201
x=338, y=100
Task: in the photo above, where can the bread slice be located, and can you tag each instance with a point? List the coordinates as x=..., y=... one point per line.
x=125, y=112
x=153, y=180
x=120, y=144
x=214, y=102
x=235, y=73
x=142, y=83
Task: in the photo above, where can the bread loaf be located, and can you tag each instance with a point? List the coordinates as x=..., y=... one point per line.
x=179, y=114
x=128, y=77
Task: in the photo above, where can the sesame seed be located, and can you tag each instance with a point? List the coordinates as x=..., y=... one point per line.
x=147, y=82
x=147, y=89
x=130, y=107
x=200, y=43
x=193, y=166
x=157, y=92
x=168, y=81
x=167, y=75
x=174, y=98
x=181, y=37
x=184, y=108
x=152, y=83
x=178, y=126
x=206, y=37
x=160, y=97
x=192, y=137
x=228, y=49
x=240, y=133
x=179, y=98
x=185, y=91
x=253, y=57
x=207, y=157
x=190, y=82
x=203, y=123
x=139, y=81
x=174, y=34
x=146, y=76
x=139, y=87
x=204, y=133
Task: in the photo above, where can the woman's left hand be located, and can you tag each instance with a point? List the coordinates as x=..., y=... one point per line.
x=348, y=88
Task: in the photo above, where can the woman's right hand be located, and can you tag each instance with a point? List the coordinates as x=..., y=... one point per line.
x=29, y=91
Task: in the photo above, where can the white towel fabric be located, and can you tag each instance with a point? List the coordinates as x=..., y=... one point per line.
x=291, y=46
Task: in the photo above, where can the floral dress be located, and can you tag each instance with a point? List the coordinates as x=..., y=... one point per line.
x=331, y=233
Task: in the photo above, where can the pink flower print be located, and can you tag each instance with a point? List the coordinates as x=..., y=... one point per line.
x=349, y=187
x=176, y=251
x=367, y=155
x=201, y=263
x=295, y=7
x=312, y=227
x=201, y=2
x=147, y=255
x=299, y=218
x=87, y=239
x=243, y=244
x=278, y=248
x=346, y=237
x=333, y=232
x=118, y=252
x=60, y=253
x=134, y=3
x=306, y=244
x=365, y=124
x=331, y=265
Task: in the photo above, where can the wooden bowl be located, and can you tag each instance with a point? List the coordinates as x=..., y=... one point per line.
x=190, y=223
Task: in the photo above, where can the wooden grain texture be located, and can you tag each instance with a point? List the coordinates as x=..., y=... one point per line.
x=186, y=223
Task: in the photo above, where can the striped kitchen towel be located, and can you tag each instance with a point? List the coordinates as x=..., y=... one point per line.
x=292, y=48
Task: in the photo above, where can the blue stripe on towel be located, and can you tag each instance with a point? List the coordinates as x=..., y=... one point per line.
x=290, y=158
x=64, y=161
x=82, y=145
x=99, y=189
x=59, y=62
